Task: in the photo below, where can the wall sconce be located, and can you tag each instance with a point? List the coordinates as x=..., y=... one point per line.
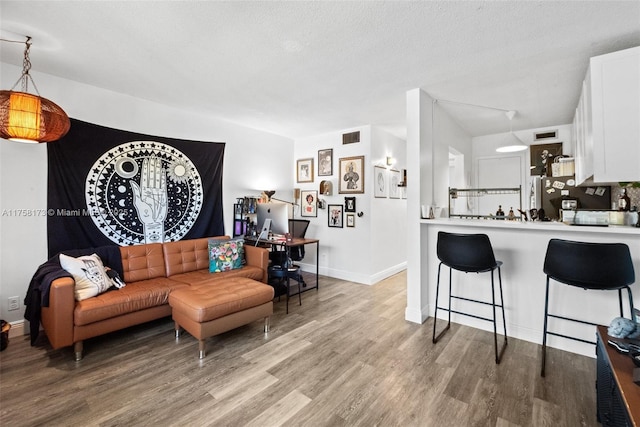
x=391, y=161
x=30, y=118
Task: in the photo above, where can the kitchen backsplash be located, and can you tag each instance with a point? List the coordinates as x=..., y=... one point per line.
x=633, y=193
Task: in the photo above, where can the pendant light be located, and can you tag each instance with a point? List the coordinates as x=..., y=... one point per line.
x=512, y=143
x=25, y=117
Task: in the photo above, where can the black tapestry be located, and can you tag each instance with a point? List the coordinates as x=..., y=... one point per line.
x=108, y=186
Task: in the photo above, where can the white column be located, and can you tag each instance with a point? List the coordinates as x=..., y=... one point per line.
x=419, y=192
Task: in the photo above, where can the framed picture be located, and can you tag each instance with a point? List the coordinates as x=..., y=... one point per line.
x=542, y=156
x=351, y=220
x=325, y=162
x=349, y=204
x=335, y=216
x=304, y=170
x=351, y=175
x=309, y=203
x=394, y=180
x=379, y=181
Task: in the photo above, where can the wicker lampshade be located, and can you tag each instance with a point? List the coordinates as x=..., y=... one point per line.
x=30, y=118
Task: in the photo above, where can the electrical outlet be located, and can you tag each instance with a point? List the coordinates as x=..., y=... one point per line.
x=14, y=303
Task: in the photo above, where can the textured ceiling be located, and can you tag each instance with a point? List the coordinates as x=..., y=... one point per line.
x=305, y=68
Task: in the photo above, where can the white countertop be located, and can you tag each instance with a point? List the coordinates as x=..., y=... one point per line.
x=533, y=225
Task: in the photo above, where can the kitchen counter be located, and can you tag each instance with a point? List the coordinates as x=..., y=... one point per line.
x=535, y=225
x=522, y=247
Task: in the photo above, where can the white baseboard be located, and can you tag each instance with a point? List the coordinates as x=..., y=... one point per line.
x=416, y=316
x=350, y=276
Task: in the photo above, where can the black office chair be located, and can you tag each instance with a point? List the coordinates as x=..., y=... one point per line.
x=298, y=229
x=470, y=253
x=602, y=266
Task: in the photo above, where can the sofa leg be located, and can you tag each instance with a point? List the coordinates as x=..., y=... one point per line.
x=201, y=352
x=77, y=349
x=267, y=324
x=177, y=330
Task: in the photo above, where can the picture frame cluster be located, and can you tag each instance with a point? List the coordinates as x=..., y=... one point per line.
x=387, y=183
x=350, y=174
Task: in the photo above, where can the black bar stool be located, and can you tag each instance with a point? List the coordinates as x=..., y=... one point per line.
x=602, y=266
x=470, y=253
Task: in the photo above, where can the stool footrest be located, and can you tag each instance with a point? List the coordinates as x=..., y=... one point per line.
x=571, y=338
x=573, y=320
x=475, y=300
x=468, y=314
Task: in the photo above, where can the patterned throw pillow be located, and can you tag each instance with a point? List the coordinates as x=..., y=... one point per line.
x=225, y=255
x=88, y=273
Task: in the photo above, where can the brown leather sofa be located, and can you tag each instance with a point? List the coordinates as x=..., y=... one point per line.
x=151, y=273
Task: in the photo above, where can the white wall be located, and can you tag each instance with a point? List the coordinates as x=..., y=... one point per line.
x=388, y=228
x=430, y=133
x=254, y=161
x=485, y=146
x=356, y=253
x=447, y=135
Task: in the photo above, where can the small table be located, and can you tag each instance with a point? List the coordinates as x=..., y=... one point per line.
x=618, y=396
x=286, y=274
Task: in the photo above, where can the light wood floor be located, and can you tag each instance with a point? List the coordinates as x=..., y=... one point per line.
x=346, y=357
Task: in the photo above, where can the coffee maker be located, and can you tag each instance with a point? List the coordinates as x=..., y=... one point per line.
x=568, y=210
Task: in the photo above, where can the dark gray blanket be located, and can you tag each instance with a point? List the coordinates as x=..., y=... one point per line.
x=38, y=292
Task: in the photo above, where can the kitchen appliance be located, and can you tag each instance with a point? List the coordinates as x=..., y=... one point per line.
x=568, y=210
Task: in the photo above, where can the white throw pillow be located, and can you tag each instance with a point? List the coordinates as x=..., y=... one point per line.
x=88, y=273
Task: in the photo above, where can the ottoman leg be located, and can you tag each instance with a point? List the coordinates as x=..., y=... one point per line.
x=201, y=352
x=177, y=326
x=267, y=324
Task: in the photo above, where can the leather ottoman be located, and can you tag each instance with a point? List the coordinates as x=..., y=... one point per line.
x=209, y=309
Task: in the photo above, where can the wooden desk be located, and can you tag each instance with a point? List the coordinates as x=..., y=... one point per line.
x=621, y=396
x=296, y=241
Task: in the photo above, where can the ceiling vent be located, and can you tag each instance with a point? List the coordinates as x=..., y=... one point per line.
x=547, y=134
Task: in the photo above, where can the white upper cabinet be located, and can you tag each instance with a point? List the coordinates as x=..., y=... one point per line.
x=583, y=134
x=615, y=103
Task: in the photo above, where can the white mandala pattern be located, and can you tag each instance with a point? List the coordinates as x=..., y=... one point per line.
x=118, y=178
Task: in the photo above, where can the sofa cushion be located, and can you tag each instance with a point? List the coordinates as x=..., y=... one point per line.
x=187, y=255
x=134, y=297
x=142, y=262
x=203, y=276
x=225, y=255
x=202, y=303
x=88, y=273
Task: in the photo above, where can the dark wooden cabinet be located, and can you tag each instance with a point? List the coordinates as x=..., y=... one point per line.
x=618, y=397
